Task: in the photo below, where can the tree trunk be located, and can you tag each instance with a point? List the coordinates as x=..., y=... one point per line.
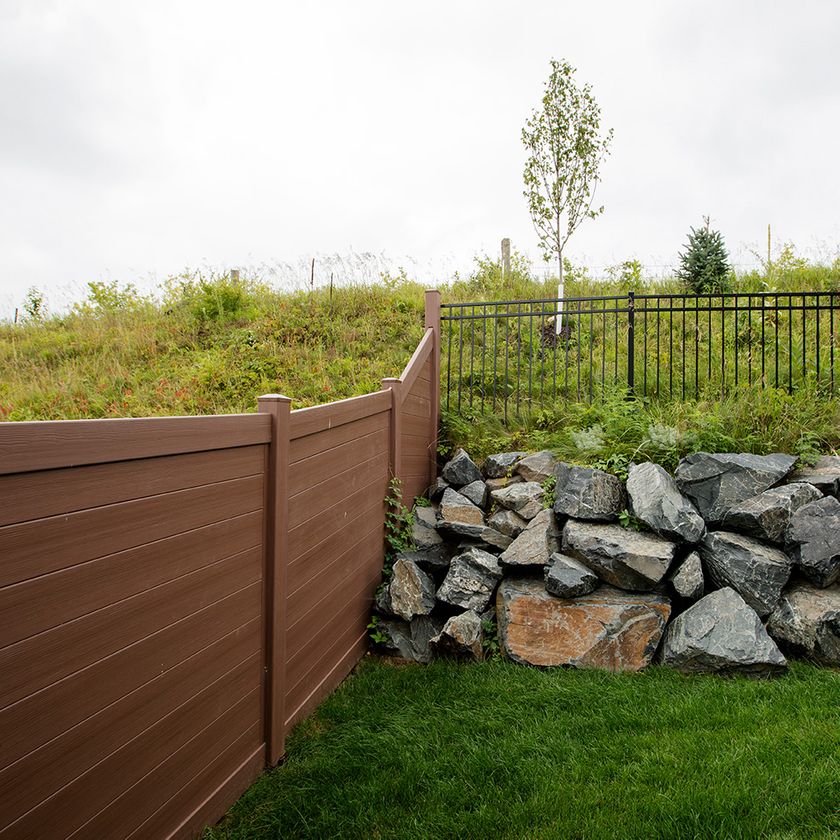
x=558, y=319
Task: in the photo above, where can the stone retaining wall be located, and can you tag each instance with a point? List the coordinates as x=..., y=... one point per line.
x=729, y=565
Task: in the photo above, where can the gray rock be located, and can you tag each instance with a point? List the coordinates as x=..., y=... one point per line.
x=655, y=499
x=489, y=537
x=609, y=629
x=433, y=559
x=524, y=499
x=455, y=508
x=768, y=515
x=460, y=470
x=411, y=591
x=461, y=636
x=477, y=493
x=718, y=482
x=566, y=577
x=537, y=467
x=806, y=621
x=499, y=483
x=721, y=634
x=758, y=572
x=586, y=493
x=824, y=475
x=471, y=580
x=687, y=580
x=424, y=528
x=411, y=640
x=435, y=491
x=500, y=465
x=813, y=540
x=624, y=558
x=534, y=545
x=508, y=523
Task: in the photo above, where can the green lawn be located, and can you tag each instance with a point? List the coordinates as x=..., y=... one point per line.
x=496, y=750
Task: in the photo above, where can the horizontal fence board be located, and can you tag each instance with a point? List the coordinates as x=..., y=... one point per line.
x=50, y=492
x=357, y=605
x=323, y=466
x=233, y=736
x=315, y=500
x=36, y=662
x=225, y=787
x=42, y=772
x=414, y=487
x=419, y=426
x=39, y=445
x=318, y=418
x=316, y=583
x=305, y=447
x=28, y=724
x=46, y=545
x=75, y=804
x=304, y=539
x=416, y=464
x=314, y=695
x=40, y=603
x=417, y=406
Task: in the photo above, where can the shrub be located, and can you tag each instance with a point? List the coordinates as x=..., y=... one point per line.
x=704, y=265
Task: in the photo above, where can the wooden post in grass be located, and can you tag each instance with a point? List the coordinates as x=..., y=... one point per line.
x=275, y=587
x=394, y=385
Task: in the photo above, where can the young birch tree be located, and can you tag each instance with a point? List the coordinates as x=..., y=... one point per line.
x=565, y=152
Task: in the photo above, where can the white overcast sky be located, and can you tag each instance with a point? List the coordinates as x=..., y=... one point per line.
x=139, y=139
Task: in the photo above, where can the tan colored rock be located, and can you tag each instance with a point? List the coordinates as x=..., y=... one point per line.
x=455, y=508
x=608, y=629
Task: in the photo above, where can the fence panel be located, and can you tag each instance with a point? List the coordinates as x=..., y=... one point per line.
x=509, y=358
x=131, y=628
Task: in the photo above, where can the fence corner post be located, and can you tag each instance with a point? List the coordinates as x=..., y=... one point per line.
x=394, y=385
x=433, y=320
x=274, y=582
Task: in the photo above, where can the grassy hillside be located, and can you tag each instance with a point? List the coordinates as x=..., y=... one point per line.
x=210, y=345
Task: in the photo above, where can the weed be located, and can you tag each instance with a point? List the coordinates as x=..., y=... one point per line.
x=398, y=524
x=490, y=642
x=549, y=487
x=376, y=634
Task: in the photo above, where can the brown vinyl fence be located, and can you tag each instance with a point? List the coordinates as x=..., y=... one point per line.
x=176, y=593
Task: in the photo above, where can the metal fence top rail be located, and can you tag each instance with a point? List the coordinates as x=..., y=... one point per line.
x=636, y=296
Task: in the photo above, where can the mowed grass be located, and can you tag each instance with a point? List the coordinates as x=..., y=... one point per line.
x=497, y=750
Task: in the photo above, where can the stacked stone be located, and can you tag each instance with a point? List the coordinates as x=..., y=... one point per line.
x=732, y=560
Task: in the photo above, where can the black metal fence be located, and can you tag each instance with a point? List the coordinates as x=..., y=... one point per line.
x=511, y=357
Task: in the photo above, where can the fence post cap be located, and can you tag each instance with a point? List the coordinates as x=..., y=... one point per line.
x=274, y=398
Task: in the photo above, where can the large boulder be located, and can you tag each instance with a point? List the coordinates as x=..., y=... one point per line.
x=806, y=621
x=715, y=483
x=687, y=580
x=460, y=470
x=436, y=488
x=609, y=629
x=455, y=508
x=767, y=515
x=537, y=467
x=471, y=580
x=461, y=636
x=501, y=464
x=433, y=559
x=477, y=493
x=758, y=572
x=424, y=528
x=410, y=592
x=507, y=522
x=586, y=493
x=490, y=537
x=524, y=499
x=813, y=540
x=721, y=634
x=566, y=577
x=411, y=640
x=534, y=545
x=824, y=475
x=655, y=499
x=626, y=559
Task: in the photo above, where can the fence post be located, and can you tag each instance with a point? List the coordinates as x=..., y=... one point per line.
x=631, y=340
x=394, y=385
x=433, y=321
x=275, y=588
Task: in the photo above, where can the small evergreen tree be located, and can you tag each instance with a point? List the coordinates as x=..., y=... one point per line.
x=704, y=265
